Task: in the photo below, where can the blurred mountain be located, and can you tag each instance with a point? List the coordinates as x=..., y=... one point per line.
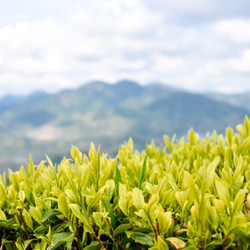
x=240, y=100
x=105, y=114
x=9, y=100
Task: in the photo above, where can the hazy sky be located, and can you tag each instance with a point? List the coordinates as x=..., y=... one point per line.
x=198, y=45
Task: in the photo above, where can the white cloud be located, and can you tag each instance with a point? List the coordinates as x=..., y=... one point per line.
x=105, y=31
x=190, y=6
x=241, y=64
x=71, y=42
x=225, y=89
x=223, y=67
x=167, y=64
x=114, y=17
x=21, y=84
x=236, y=30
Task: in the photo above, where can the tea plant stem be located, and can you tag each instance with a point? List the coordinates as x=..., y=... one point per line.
x=120, y=243
x=247, y=206
x=118, y=238
x=111, y=228
x=24, y=225
x=133, y=229
x=25, y=228
x=158, y=229
x=202, y=245
x=150, y=222
x=102, y=246
x=77, y=234
x=2, y=243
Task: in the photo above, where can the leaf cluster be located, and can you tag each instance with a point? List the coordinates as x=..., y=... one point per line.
x=188, y=194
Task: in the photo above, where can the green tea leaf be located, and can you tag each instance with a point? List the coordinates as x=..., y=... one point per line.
x=63, y=205
x=125, y=199
x=151, y=207
x=165, y=222
x=8, y=224
x=97, y=219
x=2, y=215
x=21, y=195
x=243, y=234
x=76, y=154
x=27, y=243
x=210, y=173
x=61, y=238
x=241, y=130
x=86, y=170
x=118, y=178
x=138, y=198
x=27, y=219
x=160, y=244
x=19, y=246
x=43, y=245
x=238, y=201
x=168, y=143
x=229, y=136
x=95, y=200
x=56, y=191
x=71, y=195
x=82, y=216
x=121, y=229
x=143, y=172
x=194, y=190
x=213, y=217
x=176, y=242
x=222, y=192
x=191, y=137
x=222, y=214
x=49, y=161
x=141, y=238
x=68, y=175
x=36, y=214
x=48, y=215
x=94, y=245
x=98, y=167
x=108, y=208
x=92, y=153
x=39, y=170
x=247, y=126
x=172, y=181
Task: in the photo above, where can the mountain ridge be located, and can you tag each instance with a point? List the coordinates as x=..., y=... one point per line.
x=106, y=114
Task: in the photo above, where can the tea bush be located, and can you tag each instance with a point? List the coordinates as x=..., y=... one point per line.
x=189, y=194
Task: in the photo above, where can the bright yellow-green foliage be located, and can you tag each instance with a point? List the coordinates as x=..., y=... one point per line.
x=189, y=194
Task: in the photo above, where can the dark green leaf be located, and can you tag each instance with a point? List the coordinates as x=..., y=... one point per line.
x=122, y=228
x=7, y=223
x=138, y=237
x=61, y=238
x=27, y=243
x=93, y=246
x=48, y=215
x=108, y=207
